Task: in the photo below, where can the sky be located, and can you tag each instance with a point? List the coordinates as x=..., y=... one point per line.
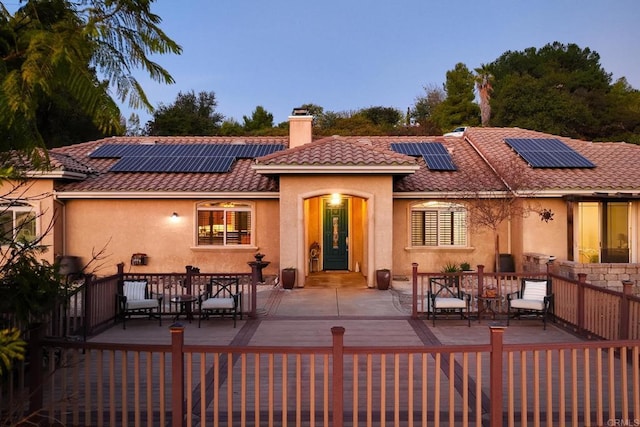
x=352, y=54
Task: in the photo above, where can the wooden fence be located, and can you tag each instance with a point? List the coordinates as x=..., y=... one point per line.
x=595, y=383
x=90, y=305
x=591, y=311
x=591, y=383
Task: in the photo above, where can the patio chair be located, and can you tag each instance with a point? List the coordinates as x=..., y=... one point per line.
x=136, y=299
x=533, y=298
x=446, y=296
x=221, y=297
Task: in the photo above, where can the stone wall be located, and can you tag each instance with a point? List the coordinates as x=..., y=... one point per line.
x=606, y=275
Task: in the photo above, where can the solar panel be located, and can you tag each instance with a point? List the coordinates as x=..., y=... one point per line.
x=172, y=164
x=195, y=158
x=435, y=155
x=548, y=153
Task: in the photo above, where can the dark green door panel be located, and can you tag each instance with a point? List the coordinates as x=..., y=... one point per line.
x=335, y=236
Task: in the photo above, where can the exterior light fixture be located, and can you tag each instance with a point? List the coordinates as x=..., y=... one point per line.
x=174, y=216
x=336, y=199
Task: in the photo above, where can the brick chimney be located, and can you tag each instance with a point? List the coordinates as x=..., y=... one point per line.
x=300, y=127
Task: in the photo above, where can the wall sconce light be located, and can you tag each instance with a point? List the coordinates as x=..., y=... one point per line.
x=335, y=199
x=174, y=216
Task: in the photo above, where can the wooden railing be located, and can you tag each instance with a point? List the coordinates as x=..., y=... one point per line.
x=596, y=312
x=473, y=283
x=589, y=310
x=90, y=304
x=588, y=384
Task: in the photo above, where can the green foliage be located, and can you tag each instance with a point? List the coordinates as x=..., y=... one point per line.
x=562, y=89
x=459, y=107
x=231, y=127
x=465, y=266
x=450, y=267
x=424, y=107
x=260, y=120
x=53, y=50
x=29, y=287
x=11, y=348
x=385, y=117
x=188, y=115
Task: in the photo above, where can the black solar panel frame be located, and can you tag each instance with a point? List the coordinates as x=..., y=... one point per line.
x=548, y=153
x=435, y=154
x=203, y=158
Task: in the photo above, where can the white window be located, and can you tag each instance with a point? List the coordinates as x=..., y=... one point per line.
x=438, y=224
x=17, y=223
x=224, y=224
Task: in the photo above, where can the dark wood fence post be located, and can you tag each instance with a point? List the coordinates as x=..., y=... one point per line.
x=255, y=273
x=414, y=285
x=582, y=279
x=338, y=375
x=187, y=280
x=177, y=375
x=89, y=307
x=627, y=288
x=36, y=333
x=495, y=382
x=480, y=279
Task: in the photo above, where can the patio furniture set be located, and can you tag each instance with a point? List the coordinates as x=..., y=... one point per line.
x=220, y=298
x=445, y=296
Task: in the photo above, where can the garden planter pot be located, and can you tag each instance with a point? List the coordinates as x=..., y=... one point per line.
x=383, y=279
x=288, y=278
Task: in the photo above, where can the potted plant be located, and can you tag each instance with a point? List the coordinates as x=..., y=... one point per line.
x=450, y=268
x=383, y=278
x=465, y=266
x=288, y=277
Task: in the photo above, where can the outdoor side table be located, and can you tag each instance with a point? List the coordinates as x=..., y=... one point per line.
x=185, y=303
x=488, y=305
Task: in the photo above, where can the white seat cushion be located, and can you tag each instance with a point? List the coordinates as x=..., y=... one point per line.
x=134, y=289
x=218, y=303
x=527, y=304
x=140, y=304
x=534, y=290
x=449, y=303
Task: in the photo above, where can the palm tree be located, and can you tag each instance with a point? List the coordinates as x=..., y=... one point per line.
x=484, y=80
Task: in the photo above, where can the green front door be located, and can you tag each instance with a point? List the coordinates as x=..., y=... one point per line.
x=335, y=236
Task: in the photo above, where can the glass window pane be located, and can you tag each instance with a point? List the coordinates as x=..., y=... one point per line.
x=446, y=225
x=616, y=245
x=224, y=226
x=25, y=226
x=6, y=227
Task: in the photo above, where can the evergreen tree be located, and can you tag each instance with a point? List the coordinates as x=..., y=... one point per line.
x=459, y=107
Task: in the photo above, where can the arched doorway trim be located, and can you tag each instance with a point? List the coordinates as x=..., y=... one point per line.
x=321, y=192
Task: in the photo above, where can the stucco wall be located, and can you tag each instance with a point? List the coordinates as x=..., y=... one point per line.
x=546, y=237
x=375, y=189
x=480, y=249
x=124, y=227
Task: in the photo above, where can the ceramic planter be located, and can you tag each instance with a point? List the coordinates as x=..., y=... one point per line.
x=288, y=278
x=383, y=278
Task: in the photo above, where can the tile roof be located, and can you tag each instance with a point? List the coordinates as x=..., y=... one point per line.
x=340, y=151
x=241, y=178
x=616, y=162
x=616, y=165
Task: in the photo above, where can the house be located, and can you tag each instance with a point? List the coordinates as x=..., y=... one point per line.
x=162, y=203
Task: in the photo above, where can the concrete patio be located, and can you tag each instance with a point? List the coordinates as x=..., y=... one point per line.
x=304, y=317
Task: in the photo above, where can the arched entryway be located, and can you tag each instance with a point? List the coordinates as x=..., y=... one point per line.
x=338, y=223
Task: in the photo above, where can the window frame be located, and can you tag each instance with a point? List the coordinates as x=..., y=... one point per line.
x=225, y=209
x=438, y=210
x=16, y=208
